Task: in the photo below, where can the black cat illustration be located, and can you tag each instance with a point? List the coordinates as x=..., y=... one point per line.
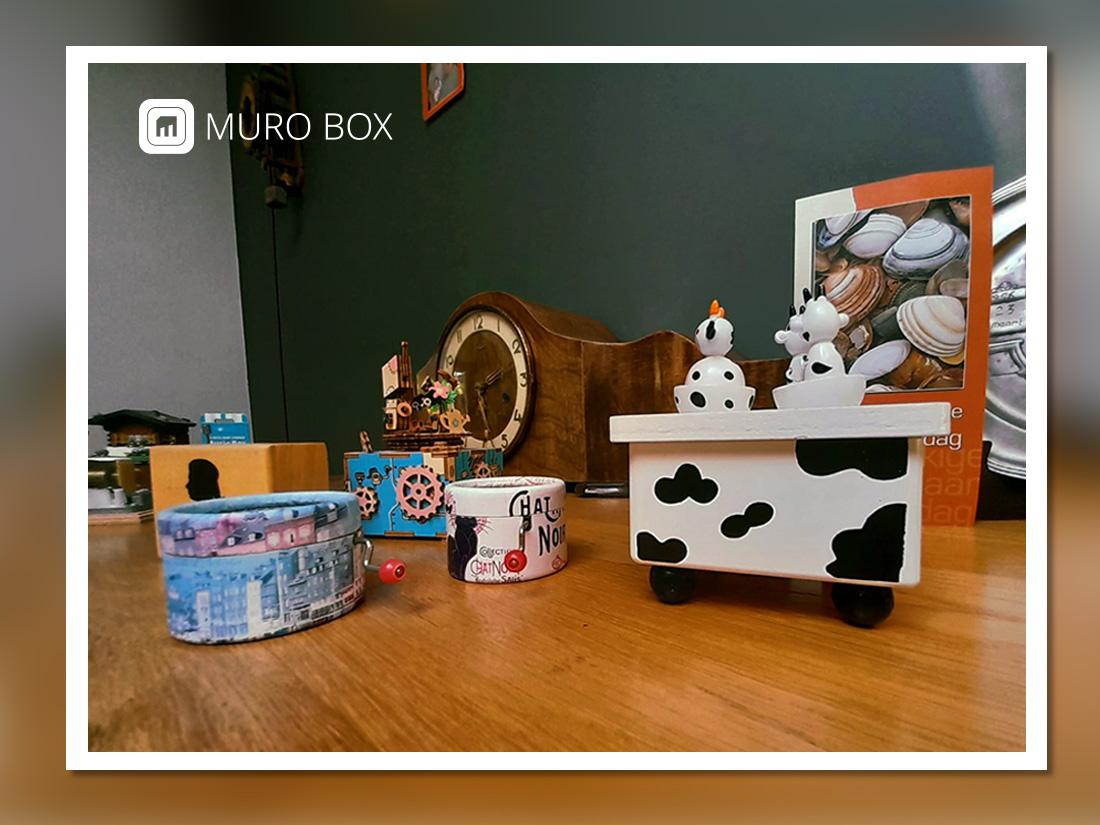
x=462, y=546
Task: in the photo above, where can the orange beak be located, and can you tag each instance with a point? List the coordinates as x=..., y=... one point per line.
x=716, y=309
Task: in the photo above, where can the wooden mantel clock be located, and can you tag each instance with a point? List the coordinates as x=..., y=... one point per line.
x=542, y=384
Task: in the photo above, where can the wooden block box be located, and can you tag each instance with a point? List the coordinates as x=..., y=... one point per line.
x=197, y=472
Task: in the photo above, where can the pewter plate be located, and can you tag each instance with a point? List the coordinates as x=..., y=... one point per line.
x=1006, y=393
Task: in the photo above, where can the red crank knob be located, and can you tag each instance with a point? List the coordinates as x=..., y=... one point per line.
x=515, y=560
x=392, y=571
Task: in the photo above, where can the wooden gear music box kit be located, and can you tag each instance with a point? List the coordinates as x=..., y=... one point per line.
x=400, y=489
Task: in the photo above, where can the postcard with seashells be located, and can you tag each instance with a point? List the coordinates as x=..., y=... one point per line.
x=909, y=261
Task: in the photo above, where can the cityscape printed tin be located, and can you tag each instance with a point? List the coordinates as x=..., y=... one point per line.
x=252, y=567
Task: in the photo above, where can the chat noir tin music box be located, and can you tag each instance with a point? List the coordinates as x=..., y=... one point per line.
x=251, y=567
x=507, y=529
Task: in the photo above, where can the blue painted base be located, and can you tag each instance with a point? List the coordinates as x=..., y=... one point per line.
x=401, y=494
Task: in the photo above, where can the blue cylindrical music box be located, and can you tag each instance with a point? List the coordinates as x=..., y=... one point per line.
x=251, y=567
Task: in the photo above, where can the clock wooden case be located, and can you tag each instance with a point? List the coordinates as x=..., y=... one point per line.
x=541, y=383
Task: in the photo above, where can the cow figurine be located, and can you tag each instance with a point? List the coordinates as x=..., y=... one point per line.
x=714, y=383
x=791, y=339
x=820, y=324
x=816, y=377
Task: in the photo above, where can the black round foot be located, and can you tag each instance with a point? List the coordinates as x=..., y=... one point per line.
x=863, y=605
x=672, y=585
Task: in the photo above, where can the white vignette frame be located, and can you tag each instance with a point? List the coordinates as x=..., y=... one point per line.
x=78, y=757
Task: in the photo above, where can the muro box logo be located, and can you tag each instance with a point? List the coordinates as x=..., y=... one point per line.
x=166, y=126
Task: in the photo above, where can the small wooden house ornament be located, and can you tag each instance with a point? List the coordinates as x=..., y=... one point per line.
x=154, y=426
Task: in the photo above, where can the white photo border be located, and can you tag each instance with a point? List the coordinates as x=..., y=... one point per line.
x=78, y=757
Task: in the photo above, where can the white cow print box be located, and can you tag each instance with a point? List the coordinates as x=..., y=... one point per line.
x=831, y=494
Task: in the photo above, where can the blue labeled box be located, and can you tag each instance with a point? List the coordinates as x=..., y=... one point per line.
x=224, y=428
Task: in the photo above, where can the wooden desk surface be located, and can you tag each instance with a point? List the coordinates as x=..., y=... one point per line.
x=587, y=659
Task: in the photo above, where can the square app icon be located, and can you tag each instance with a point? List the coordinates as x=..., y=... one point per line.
x=166, y=126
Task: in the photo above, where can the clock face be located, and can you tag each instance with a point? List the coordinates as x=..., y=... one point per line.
x=488, y=355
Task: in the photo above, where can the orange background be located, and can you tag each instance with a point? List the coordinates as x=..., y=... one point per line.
x=951, y=477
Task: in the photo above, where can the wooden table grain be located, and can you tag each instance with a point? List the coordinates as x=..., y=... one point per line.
x=586, y=659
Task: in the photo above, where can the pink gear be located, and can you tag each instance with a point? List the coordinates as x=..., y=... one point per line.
x=419, y=493
x=482, y=469
x=368, y=502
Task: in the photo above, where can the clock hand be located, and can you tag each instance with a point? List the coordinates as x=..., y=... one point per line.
x=484, y=414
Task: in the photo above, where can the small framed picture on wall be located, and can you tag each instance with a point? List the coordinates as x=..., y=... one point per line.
x=440, y=83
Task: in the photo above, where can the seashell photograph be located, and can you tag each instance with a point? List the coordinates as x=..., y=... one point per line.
x=831, y=230
x=881, y=360
x=855, y=290
x=890, y=289
x=885, y=324
x=907, y=292
x=916, y=372
x=877, y=235
x=935, y=324
x=960, y=208
x=901, y=273
x=908, y=212
x=950, y=279
x=925, y=247
x=855, y=340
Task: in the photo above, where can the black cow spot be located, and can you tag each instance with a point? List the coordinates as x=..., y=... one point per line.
x=729, y=375
x=756, y=514
x=695, y=376
x=729, y=404
x=687, y=482
x=698, y=399
x=873, y=552
x=710, y=330
x=820, y=367
x=669, y=551
x=805, y=335
x=883, y=459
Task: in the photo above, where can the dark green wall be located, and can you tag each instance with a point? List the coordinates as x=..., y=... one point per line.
x=633, y=194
